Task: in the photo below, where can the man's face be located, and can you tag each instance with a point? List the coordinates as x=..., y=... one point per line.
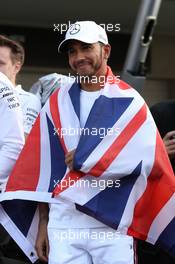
x=7, y=66
x=87, y=59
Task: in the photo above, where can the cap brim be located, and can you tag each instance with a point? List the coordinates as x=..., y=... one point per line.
x=63, y=45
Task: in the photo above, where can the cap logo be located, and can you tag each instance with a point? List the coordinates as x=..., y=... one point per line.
x=74, y=29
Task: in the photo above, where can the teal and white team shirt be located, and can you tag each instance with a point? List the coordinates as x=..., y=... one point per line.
x=11, y=129
x=31, y=107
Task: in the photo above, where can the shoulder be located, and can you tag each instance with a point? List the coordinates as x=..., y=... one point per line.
x=30, y=100
x=6, y=87
x=8, y=97
x=46, y=85
x=125, y=90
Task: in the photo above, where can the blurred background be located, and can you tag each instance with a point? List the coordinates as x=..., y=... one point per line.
x=41, y=24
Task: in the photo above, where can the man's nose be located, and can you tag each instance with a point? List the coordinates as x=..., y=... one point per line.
x=80, y=55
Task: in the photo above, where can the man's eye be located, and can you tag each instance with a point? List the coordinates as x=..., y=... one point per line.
x=87, y=47
x=71, y=51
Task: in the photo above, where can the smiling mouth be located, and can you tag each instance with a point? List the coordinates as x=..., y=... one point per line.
x=82, y=66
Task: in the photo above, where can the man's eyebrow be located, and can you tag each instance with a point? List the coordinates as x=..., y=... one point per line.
x=86, y=44
x=69, y=48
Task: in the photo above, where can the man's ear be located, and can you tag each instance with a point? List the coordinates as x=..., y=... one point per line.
x=107, y=51
x=17, y=67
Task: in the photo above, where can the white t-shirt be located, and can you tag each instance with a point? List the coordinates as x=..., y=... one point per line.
x=64, y=214
x=87, y=100
x=11, y=128
x=31, y=107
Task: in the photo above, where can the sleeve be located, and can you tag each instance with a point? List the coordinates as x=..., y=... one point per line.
x=31, y=112
x=11, y=129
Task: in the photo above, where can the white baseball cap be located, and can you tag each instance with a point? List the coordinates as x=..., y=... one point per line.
x=85, y=31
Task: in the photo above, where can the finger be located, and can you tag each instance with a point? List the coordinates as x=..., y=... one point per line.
x=169, y=142
x=70, y=153
x=68, y=161
x=42, y=248
x=40, y=254
x=169, y=135
x=172, y=147
x=68, y=158
x=47, y=249
x=167, y=146
x=44, y=256
x=171, y=152
x=70, y=165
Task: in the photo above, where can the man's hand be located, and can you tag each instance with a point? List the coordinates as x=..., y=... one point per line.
x=42, y=242
x=169, y=141
x=69, y=159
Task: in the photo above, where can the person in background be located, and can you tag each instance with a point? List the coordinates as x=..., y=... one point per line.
x=19, y=110
x=48, y=84
x=163, y=114
x=12, y=131
x=11, y=62
x=11, y=139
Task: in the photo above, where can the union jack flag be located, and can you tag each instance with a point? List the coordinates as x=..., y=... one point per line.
x=129, y=150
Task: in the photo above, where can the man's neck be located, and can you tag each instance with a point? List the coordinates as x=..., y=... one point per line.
x=14, y=82
x=91, y=87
